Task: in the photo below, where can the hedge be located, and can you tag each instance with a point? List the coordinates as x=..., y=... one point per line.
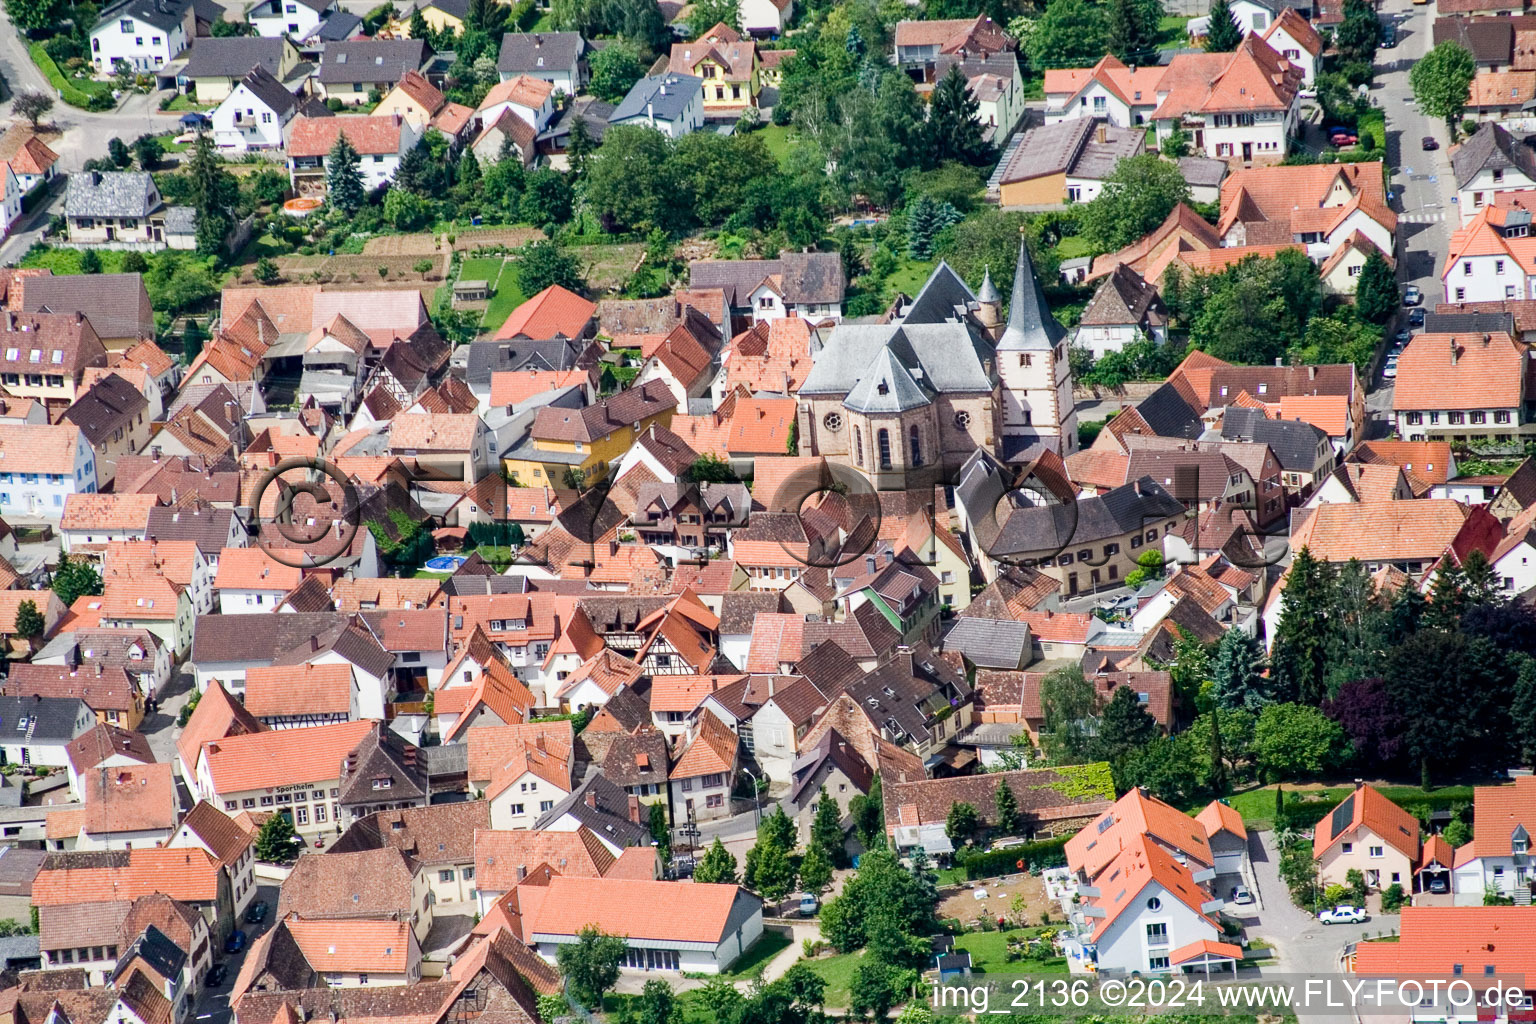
x=68, y=92
x=1047, y=853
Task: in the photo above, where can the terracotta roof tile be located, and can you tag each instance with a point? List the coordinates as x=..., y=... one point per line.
x=623, y=906
x=281, y=757
x=1366, y=806
x=1388, y=531
x=370, y=136
x=553, y=312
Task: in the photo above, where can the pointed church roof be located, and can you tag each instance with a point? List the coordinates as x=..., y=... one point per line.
x=887, y=385
x=943, y=298
x=1031, y=327
x=988, y=291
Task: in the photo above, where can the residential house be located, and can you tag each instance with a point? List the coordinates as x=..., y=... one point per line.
x=1448, y=942
x=919, y=44
x=555, y=313
x=1298, y=42
x=808, y=285
x=143, y=34
x=1064, y=162
x=506, y=858
x=525, y=782
x=43, y=466
x=371, y=885
x=442, y=16
x=704, y=772
x=563, y=442
x=254, y=114
x=116, y=305
x=380, y=143
x=226, y=648
x=1305, y=452
x=901, y=589
x=670, y=103
x=1490, y=163
x=138, y=652
x=1409, y=535
x=118, y=210
x=690, y=515
x=727, y=64
x=251, y=582
x=766, y=17
x=1462, y=388
x=1125, y=309
x=423, y=104
x=1240, y=107
x=294, y=697
x=111, y=417
x=996, y=81
x=296, y=19
x=109, y=693
x=531, y=99
x=1369, y=833
x=1496, y=95
x=350, y=70
x=724, y=922
x=217, y=64
x=44, y=728
x=1496, y=860
x=916, y=813
x=508, y=129
x=453, y=446
x=31, y=160
x=1108, y=531
x=128, y=807
x=916, y=700
x=440, y=838
x=46, y=356
x=91, y=521
x=558, y=58
x=1320, y=207
x=231, y=844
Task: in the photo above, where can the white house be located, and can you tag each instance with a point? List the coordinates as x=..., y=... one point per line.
x=144, y=34
x=380, y=143
x=295, y=18
x=672, y=104
x=520, y=793
x=532, y=99
x=252, y=582
x=254, y=114
x=1489, y=164
x=554, y=57
x=1297, y=41
x=42, y=729
x=44, y=464
x=1499, y=854
x=765, y=17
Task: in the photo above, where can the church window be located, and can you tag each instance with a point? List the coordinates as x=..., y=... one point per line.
x=883, y=438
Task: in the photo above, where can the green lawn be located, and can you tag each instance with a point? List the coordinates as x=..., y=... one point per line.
x=690, y=1003
x=77, y=92
x=481, y=268
x=170, y=145
x=183, y=102
x=765, y=949
x=837, y=972
x=910, y=276
x=1257, y=806
x=1073, y=246
x=508, y=296
x=67, y=261
x=1171, y=32
x=989, y=953
x=779, y=140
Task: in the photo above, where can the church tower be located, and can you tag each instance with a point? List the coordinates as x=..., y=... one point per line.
x=1032, y=364
x=989, y=307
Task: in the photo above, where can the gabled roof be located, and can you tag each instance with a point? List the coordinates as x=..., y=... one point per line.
x=1367, y=807
x=370, y=136
x=1388, y=531
x=1137, y=814
x=376, y=61
x=539, y=52
x=711, y=751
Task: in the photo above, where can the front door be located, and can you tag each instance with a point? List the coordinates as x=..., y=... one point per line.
x=1247, y=151
x=111, y=233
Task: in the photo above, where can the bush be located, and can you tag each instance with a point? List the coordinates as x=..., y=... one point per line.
x=1045, y=853
x=1393, y=898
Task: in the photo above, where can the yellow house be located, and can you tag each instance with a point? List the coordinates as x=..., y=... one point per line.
x=728, y=65
x=421, y=104
x=216, y=65
x=1369, y=833
x=1341, y=271
x=589, y=440
x=441, y=16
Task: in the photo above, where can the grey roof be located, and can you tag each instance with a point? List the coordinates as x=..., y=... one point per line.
x=487, y=357
x=265, y=87
x=1031, y=327
x=111, y=194
x=337, y=26
x=455, y=8
x=1073, y=147
x=812, y=277
x=163, y=14
x=206, y=526
x=609, y=819
x=593, y=111
x=217, y=640
x=737, y=278
x=1168, y=414
x=1294, y=442
x=904, y=693
x=1488, y=40
x=157, y=950
x=180, y=220
x=117, y=305
x=234, y=56
x=109, y=406
x=372, y=60
x=383, y=754
x=522, y=52
x=887, y=385
x=663, y=97
x=951, y=356
x=1124, y=297
x=989, y=643
x=1492, y=148
x=944, y=298
x=1470, y=323
x=988, y=292
x=833, y=748
x=1202, y=170
x=50, y=719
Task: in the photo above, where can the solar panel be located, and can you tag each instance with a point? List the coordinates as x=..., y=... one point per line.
x=1342, y=816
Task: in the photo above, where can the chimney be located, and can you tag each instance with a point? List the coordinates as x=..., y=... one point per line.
x=1311, y=373
x=634, y=809
x=1101, y=134
x=1486, y=339
x=1279, y=361
x=1455, y=353
x=590, y=800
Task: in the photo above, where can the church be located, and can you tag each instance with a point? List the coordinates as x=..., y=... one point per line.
x=906, y=402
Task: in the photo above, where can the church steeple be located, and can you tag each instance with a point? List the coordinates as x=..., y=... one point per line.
x=1031, y=327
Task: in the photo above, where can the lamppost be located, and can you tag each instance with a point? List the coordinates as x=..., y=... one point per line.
x=757, y=799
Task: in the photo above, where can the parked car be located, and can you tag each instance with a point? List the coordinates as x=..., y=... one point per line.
x=1343, y=915
x=1416, y=317
x=1428, y=143
x=1388, y=36
x=257, y=913
x=1439, y=885
x=1400, y=340
x=807, y=905
x=216, y=975
x=235, y=943
x=1412, y=296
x=1342, y=137
x=1241, y=896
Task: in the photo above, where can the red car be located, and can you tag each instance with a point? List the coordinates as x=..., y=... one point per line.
x=1343, y=138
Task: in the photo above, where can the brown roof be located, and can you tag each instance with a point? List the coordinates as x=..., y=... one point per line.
x=438, y=834
x=1386, y=531
x=102, y=689
x=220, y=833
x=627, y=408
x=103, y=741
x=367, y=883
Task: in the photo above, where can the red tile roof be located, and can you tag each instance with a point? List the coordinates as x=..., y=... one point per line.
x=314, y=136
x=553, y=312
x=1387, y=821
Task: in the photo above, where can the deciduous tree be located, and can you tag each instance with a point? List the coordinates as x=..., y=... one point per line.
x=1136, y=197
x=717, y=865
x=591, y=963
x=1070, y=34
x=1442, y=82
